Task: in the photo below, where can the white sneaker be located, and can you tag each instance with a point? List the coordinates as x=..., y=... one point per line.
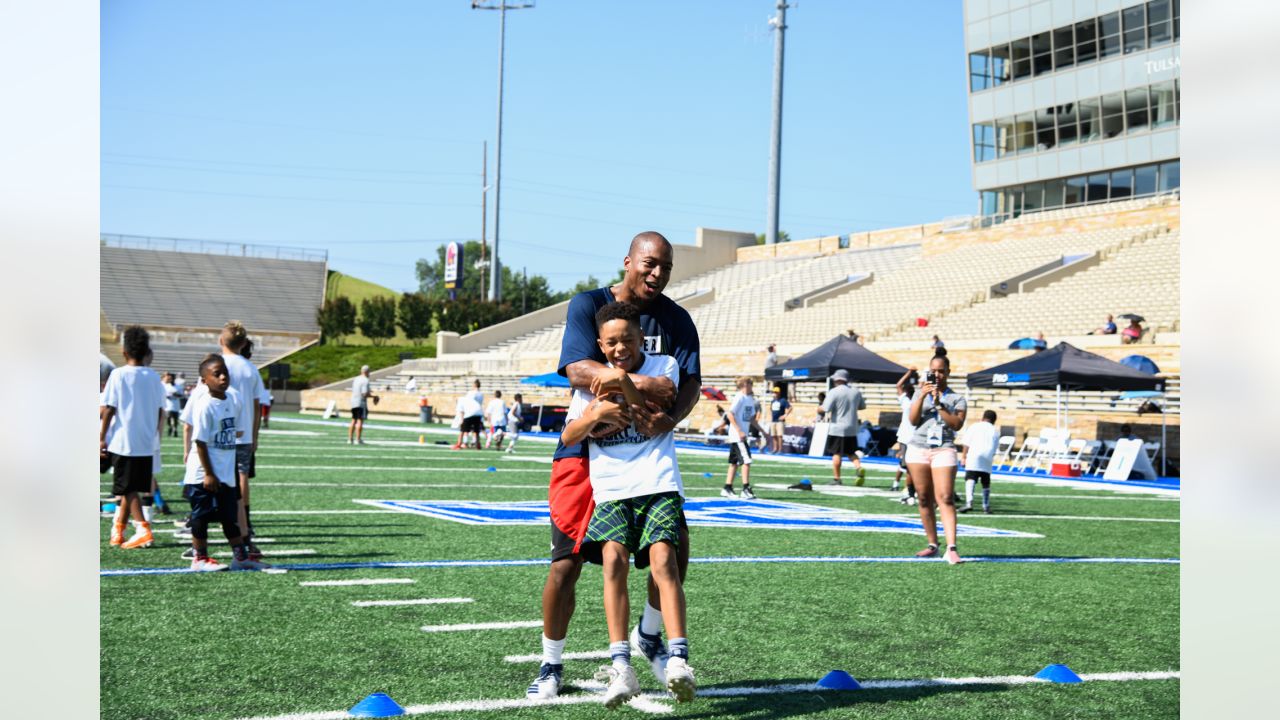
x=248, y=564
x=654, y=652
x=680, y=679
x=728, y=494
x=547, y=686
x=623, y=685
x=747, y=494
x=207, y=564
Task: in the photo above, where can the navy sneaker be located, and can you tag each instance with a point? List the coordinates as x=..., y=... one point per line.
x=547, y=686
x=653, y=650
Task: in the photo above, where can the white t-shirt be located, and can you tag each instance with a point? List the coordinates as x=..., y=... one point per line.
x=171, y=394
x=137, y=395
x=497, y=412
x=628, y=464
x=981, y=439
x=246, y=381
x=196, y=392
x=470, y=406
x=744, y=408
x=115, y=420
x=514, y=416
x=213, y=422
x=265, y=398
x=359, y=388
x=906, y=429
x=477, y=396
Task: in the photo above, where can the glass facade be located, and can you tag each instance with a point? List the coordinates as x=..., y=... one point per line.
x=1098, y=118
x=1112, y=185
x=1131, y=29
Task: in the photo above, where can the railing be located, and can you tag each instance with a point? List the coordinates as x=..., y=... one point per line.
x=214, y=247
x=986, y=221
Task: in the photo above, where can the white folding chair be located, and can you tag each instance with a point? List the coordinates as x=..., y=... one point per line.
x=1025, y=453
x=1153, y=451
x=1089, y=456
x=1103, y=457
x=1003, y=450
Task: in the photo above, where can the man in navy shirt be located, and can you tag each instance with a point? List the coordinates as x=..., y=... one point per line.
x=668, y=330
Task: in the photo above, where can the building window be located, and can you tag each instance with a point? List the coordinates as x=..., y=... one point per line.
x=1136, y=109
x=1053, y=192
x=1033, y=197
x=1046, y=137
x=1112, y=115
x=1135, y=28
x=1109, y=35
x=1090, y=120
x=1075, y=190
x=1025, y=125
x=1144, y=180
x=1066, y=116
x=1021, y=53
x=984, y=142
x=1122, y=184
x=990, y=202
x=1164, y=104
x=1005, y=137
x=1096, y=188
x=1000, y=66
x=1064, y=48
x=979, y=71
x=1159, y=23
x=1042, y=53
x=1086, y=41
x=1169, y=179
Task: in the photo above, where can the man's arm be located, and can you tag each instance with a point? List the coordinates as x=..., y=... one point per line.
x=658, y=390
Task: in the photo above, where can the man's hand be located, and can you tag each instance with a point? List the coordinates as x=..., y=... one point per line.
x=608, y=380
x=659, y=390
x=211, y=482
x=650, y=420
x=102, y=448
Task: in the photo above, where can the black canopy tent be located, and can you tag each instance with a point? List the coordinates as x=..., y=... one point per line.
x=838, y=353
x=1064, y=368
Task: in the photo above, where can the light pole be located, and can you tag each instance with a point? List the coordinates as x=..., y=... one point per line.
x=495, y=267
x=779, y=23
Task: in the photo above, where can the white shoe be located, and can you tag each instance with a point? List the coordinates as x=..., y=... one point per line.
x=680, y=679
x=547, y=686
x=747, y=494
x=623, y=685
x=248, y=564
x=728, y=494
x=654, y=652
x=207, y=564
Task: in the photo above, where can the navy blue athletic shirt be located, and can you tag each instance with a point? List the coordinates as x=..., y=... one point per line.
x=668, y=330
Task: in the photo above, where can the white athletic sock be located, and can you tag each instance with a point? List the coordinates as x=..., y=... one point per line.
x=552, y=650
x=968, y=491
x=620, y=653
x=651, y=621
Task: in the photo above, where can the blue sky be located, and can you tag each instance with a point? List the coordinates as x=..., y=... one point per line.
x=357, y=127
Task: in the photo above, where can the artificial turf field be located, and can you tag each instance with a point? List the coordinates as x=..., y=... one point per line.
x=248, y=645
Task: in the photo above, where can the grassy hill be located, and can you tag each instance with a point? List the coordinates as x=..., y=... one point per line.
x=356, y=290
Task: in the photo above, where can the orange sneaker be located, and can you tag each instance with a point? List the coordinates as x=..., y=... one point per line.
x=141, y=539
x=117, y=534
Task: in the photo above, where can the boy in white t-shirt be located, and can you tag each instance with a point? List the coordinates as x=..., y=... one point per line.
x=134, y=396
x=980, y=441
x=515, y=416
x=210, y=481
x=638, y=496
x=496, y=412
x=742, y=412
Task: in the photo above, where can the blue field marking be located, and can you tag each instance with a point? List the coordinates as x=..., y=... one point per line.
x=700, y=512
x=836, y=559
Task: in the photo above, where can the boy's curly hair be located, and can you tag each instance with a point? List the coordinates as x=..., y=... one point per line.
x=136, y=342
x=618, y=311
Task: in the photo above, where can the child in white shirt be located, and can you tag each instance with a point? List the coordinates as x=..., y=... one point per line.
x=496, y=412
x=134, y=396
x=638, y=493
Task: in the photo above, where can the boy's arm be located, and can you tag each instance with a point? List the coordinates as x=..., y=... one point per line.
x=186, y=442
x=659, y=390
x=257, y=421
x=107, y=416
x=210, y=478
x=598, y=411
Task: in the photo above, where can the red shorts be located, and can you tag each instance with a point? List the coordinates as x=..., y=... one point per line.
x=571, y=505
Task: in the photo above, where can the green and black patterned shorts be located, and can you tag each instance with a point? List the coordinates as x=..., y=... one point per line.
x=637, y=523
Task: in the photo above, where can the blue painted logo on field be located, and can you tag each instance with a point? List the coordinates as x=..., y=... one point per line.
x=708, y=512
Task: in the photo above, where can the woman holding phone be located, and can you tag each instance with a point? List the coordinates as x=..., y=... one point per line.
x=937, y=412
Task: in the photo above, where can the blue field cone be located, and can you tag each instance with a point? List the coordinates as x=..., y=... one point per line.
x=375, y=706
x=838, y=680
x=1058, y=674
x=109, y=507
x=706, y=475
x=492, y=469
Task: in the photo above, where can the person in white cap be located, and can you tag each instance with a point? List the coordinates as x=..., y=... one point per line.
x=841, y=410
x=360, y=395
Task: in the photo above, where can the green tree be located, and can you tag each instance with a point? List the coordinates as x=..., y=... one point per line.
x=378, y=319
x=415, y=316
x=336, y=318
x=783, y=236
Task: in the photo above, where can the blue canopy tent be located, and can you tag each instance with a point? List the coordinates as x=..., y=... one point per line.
x=546, y=380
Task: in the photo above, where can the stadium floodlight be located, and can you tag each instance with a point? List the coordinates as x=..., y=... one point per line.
x=495, y=269
x=779, y=24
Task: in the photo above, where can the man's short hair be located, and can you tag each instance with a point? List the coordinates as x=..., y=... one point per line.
x=742, y=381
x=989, y=416
x=364, y=368
x=618, y=311
x=497, y=393
x=136, y=342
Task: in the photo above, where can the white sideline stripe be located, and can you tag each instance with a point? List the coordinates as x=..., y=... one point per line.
x=322, y=512
x=540, y=486
x=275, y=553
x=419, y=601
x=383, y=468
x=484, y=626
x=592, y=655
x=216, y=541
x=647, y=702
x=308, y=433
x=1060, y=517
x=1090, y=497
x=363, y=581
x=404, y=456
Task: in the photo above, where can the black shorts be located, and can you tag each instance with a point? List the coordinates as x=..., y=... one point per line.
x=735, y=454
x=978, y=476
x=222, y=505
x=253, y=465
x=244, y=459
x=475, y=423
x=837, y=445
x=562, y=544
x=132, y=474
x=105, y=462
x=173, y=414
x=359, y=413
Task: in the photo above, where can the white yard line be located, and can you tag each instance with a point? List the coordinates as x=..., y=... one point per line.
x=256, y=484
x=590, y=655
x=483, y=626
x=649, y=702
x=383, y=468
x=321, y=512
x=967, y=517
x=418, y=601
x=275, y=553
x=362, y=581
